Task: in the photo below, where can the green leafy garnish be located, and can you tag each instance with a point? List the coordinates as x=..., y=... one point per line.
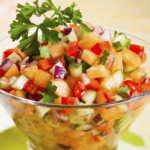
x=48, y=94
x=75, y=65
x=85, y=66
x=123, y=91
x=146, y=74
x=104, y=58
x=21, y=26
x=68, y=60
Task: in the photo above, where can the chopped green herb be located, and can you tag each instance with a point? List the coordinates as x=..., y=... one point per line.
x=48, y=94
x=104, y=58
x=21, y=26
x=123, y=91
x=146, y=74
x=68, y=60
x=85, y=66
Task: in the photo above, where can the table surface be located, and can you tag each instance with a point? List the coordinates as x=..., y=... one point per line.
x=129, y=15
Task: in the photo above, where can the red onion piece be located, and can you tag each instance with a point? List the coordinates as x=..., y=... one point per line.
x=106, y=36
x=6, y=64
x=98, y=119
x=59, y=72
x=111, y=62
x=33, y=62
x=37, y=97
x=99, y=29
x=146, y=80
x=84, y=78
x=67, y=30
x=78, y=60
x=59, y=116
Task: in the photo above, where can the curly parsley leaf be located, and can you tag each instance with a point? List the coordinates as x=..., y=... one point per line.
x=48, y=94
x=104, y=58
x=21, y=26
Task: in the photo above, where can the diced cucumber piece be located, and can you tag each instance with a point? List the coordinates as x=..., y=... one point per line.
x=60, y=34
x=42, y=110
x=24, y=61
x=121, y=42
x=44, y=52
x=72, y=36
x=118, y=97
x=75, y=69
x=89, y=97
x=12, y=80
x=123, y=91
x=14, y=57
x=82, y=31
x=86, y=111
x=65, y=39
x=52, y=70
x=129, y=69
x=122, y=123
x=82, y=127
x=4, y=85
x=74, y=118
x=118, y=77
x=20, y=82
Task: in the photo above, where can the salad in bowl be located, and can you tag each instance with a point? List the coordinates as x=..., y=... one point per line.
x=75, y=86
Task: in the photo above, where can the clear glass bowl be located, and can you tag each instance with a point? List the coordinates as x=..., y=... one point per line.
x=91, y=127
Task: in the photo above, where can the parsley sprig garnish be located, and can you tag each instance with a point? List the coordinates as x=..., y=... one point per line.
x=104, y=58
x=21, y=26
x=48, y=94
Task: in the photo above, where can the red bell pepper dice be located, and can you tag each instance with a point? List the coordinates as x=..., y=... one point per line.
x=2, y=72
x=45, y=64
x=97, y=49
x=109, y=96
x=94, y=84
x=132, y=85
x=139, y=50
x=44, y=44
x=7, y=53
x=30, y=87
x=72, y=49
x=79, y=89
x=69, y=101
x=62, y=31
x=101, y=47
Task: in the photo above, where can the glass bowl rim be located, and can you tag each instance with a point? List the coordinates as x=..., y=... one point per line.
x=35, y=103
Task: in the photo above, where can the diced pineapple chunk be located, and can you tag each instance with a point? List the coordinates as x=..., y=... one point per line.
x=90, y=40
x=63, y=89
x=118, y=64
x=108, y=84
x=57, y=50
x=137, y=74
x=130, y=58
x=89, y=57
x=98, y=71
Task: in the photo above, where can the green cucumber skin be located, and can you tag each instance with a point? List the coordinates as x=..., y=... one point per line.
x=83, y=31
x=130, y=71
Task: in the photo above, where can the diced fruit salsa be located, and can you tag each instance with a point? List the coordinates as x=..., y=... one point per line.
x=87, y=65
x=82, y=68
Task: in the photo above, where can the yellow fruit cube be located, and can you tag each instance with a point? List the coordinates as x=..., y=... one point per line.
x=98, y=71
x=130, y=58
x=137, y=74
x=89, y=57
x=90, y=40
